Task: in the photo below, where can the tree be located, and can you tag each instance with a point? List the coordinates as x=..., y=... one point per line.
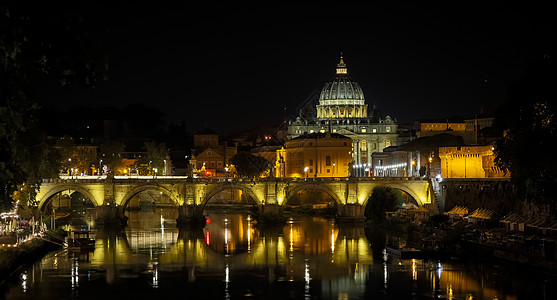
x=39, y=41
x=155, y=158
x=249, y=165
x=111, y=155
x=74, y=156
x=382, y=199
x=529, y=122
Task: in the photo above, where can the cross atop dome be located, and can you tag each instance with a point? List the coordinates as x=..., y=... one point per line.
x=341, y=66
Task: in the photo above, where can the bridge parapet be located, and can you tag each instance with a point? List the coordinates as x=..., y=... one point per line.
x=346, y=191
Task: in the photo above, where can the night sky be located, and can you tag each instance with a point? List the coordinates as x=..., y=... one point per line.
x=234, y=68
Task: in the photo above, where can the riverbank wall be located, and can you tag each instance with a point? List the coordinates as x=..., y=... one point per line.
x=12, y=258
x=498, y=195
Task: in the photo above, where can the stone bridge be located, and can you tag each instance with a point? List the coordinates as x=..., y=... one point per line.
x=111, y=195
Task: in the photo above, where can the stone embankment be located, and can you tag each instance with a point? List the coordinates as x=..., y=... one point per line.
x=13, y=258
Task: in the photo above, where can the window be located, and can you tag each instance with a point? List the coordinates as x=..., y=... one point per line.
x=374, y=130
x=328, y=160
x=364, y=129
x=363, y=145
x=311, y=162
x=388, y=129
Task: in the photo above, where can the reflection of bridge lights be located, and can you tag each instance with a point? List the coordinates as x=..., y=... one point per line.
x=332, y=241
x=155, y=281
x=24, y=282
x=439, y=270
x=207, y=238
x=307, y=278
x=385, y=273
x=414, y=270
x=249, y=233
x=291, y=238
x=75, y=273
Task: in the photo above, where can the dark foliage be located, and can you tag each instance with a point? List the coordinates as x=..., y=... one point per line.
x=382, y=199
x=529, y=122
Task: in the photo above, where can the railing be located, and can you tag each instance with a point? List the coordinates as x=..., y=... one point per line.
x=99, y=179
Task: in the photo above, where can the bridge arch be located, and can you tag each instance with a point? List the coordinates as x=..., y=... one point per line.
x=312, y=186
x=227, y=186
x=148, y=187
x=45, y=198
x=402, y=187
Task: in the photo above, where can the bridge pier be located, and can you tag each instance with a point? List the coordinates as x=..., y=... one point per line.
x=190, y=215
x=110, y=215
x=351, y=213
x=270, y=214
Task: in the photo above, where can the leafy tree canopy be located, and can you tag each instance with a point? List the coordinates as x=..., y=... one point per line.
x=382, y=199
x=37, y=40
x=528, y=118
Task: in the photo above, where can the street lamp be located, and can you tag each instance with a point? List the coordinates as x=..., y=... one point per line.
x=306, y=172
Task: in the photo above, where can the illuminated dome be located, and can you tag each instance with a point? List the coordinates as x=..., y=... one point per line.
x=341, y=97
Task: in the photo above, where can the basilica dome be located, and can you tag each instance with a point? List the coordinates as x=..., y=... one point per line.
x=341, y=87
x=341, y=97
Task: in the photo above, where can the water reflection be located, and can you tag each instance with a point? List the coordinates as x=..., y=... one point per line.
x=233, y=257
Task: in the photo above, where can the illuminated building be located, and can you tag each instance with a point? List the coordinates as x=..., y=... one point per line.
x=315, y=155
x=211, y=157
x=469, y=162
x=343, y=109
x=473, y=130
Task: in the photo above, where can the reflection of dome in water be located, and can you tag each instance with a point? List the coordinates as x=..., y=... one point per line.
x=341, y=97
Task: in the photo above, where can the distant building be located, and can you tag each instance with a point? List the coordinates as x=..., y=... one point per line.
x=342, y=109
x=211, y=158
x=469, y=162
x=315, y=155
x=474, y=131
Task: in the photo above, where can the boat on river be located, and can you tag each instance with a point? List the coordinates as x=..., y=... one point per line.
x=80, y=241
x=403, y=252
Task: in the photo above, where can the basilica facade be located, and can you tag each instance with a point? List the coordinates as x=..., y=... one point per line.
x=342, y=109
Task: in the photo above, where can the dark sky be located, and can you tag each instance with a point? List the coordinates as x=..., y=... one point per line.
x=233, y=68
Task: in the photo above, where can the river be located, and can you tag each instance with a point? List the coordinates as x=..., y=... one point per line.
x=232, y=258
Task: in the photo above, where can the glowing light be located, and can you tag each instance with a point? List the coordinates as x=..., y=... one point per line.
x=414, y=270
